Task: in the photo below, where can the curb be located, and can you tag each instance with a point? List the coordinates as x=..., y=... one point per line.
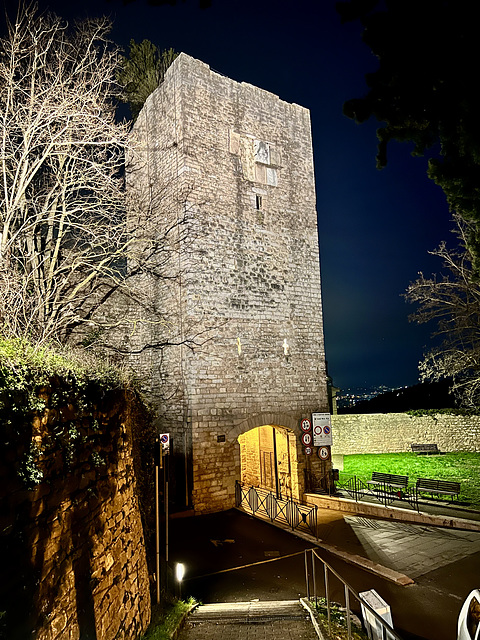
x=359, y=561
x=306, y=606
x=182, y=621
x=368, y=509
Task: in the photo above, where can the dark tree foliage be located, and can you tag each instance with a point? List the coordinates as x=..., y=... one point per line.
x=142, y=72
x=425, y=91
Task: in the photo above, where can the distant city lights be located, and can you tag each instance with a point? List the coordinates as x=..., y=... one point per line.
x=350, y=397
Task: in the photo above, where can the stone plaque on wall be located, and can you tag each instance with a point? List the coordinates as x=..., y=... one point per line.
x=262, y=152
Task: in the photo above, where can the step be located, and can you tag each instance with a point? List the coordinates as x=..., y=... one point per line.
x=253, y=611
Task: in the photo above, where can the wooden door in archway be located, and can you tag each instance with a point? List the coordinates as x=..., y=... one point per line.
x=267, y=459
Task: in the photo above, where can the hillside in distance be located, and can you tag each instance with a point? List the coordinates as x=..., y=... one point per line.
x=425, y=395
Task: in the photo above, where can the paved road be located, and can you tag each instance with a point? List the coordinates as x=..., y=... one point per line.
x=412, y=549
x=444, y=563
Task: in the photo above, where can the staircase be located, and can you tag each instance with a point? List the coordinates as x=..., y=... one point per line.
x=268, y=620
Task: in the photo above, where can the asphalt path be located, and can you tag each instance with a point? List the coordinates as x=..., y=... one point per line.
x=268, y=564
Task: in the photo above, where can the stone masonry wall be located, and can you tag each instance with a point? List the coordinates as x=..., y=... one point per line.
x=395, y=432
x=239, y=161
x=72, y=540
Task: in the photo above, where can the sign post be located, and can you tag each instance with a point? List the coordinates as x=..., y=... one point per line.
x=165, y=444
x=158, y=465
x=162, y=448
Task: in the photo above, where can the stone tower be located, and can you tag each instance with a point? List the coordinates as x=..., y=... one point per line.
x=229, y=170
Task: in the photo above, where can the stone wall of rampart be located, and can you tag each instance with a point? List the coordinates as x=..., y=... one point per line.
x=72, y=539
x=395, y=432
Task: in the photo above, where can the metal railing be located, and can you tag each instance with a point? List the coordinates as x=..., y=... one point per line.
x=263, y=503
x=266, y=504
x=384, y=493
x=388, y=631
x=315, y=481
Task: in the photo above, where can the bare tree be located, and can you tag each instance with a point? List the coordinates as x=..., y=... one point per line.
x=62, y=211
x=452, y=301
x=73, y=262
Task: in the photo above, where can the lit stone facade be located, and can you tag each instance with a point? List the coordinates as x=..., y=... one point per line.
x=396, y=432
x=244, y=297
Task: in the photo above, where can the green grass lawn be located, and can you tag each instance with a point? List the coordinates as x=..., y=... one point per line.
x=463, y=467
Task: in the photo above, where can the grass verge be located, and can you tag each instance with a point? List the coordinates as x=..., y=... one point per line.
x=166, y=619
x=338, y=621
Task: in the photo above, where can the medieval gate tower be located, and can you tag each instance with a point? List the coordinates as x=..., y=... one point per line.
x=230, y=166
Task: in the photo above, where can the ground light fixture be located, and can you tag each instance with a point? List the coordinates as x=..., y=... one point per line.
x=179, y=573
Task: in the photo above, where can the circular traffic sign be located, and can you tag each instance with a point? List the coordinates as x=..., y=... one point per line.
x=164, y=438
x=306, y=424
x=323, y=453
x=307, y=438
x=326, y=430
x=308, y=451
x=317, y=430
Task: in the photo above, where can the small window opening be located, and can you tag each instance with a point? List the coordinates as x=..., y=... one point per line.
x=258, y=202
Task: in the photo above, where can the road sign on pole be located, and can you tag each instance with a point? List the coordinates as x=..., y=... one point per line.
x=307, y=438
x=165, y=442
x=323, y=453
x=306, y=425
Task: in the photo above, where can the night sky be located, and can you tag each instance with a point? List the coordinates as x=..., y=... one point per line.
x=375, y=227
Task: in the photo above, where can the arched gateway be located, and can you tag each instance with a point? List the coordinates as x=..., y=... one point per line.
x=230, y=167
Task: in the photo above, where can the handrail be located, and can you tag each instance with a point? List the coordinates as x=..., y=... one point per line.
x=387, y=630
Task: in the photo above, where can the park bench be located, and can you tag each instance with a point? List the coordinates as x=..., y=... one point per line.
x=438, y=487
x=425, y=448
x=389, y=479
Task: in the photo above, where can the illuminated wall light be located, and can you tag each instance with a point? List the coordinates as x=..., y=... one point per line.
x=286, y=348
x=239, y=346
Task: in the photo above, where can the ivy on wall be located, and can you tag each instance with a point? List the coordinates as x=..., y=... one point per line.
x=76, y=442
x=36, y=384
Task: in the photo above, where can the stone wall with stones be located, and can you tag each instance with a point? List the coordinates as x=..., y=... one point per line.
x=229, y=170
x=72, y=541
x=395, y=432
